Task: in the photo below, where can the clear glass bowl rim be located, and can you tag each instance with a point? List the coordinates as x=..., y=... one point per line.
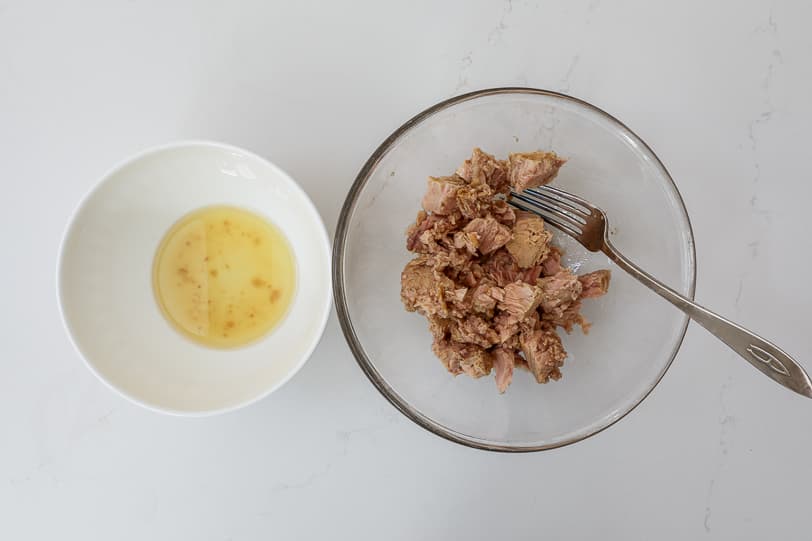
x=339, y=293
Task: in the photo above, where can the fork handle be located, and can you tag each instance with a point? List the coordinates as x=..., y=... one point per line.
x=763, y=354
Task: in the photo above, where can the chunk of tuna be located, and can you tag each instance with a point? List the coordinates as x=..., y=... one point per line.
x=506, y=326
x=439, y=327
x=491, y=234
x=463, y=358
x=476, y=362
x=429, y=232
x=474, y=200
x=530, y=275
x=532, y=169
x=568, y=318
x=543, y=352
x=448, y=260
x=521, y=299
x=468, y=241
x=482, y=168
x=455, y=295
x=504, y=360
x=473, y=329
x=559, y=291
x=441, y=194
x=501, y=267
x=551, y=264
x=417, y=228
x=422, y=289
x=449, y=354
x=529, y=245
x=469, y=274
x=594, y=284
x=485, y=297
x=503, y=212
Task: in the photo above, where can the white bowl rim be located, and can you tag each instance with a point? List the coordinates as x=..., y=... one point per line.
x=106, y=177
x=340, y=298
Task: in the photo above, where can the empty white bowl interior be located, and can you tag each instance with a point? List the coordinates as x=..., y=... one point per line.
x=634, y=333
x=105, y=285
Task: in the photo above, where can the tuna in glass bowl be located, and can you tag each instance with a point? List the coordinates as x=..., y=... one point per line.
x=634, y=336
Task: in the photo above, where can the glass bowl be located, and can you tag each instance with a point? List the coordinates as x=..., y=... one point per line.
x=635, y=334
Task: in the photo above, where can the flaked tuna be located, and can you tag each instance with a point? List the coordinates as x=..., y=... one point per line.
x=482, y=168
x=532, y=169
x=492, y=287
x=490, y=234
x=530, y=242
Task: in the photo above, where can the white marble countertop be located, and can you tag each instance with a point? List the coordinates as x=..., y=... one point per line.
x=719, y=89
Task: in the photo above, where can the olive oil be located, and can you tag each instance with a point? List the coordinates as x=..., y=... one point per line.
x=223, y=276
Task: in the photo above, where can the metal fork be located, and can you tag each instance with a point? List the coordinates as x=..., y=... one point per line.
x=587, y=224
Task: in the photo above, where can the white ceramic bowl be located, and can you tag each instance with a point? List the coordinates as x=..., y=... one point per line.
x=105, y=288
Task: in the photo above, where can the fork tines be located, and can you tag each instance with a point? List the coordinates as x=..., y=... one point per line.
x=561, y=209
